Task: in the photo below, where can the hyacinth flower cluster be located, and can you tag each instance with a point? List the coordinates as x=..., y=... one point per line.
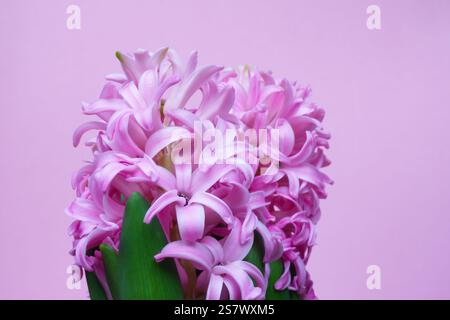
x=168, y=189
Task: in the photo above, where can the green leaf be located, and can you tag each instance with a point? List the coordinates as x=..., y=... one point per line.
x=111, y=262
x=255, y=256
x=96, y=291
x=140, y=276
x=294, y=295
x=276, y=270
x=133, y=273
x=256, y=253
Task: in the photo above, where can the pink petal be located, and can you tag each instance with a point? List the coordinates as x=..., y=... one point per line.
x=142, y=112
x=221, y=104
x=215, y=204
x=248, y=226
x=148, y=83
x=285, y=279
x=215, y=287
x=158, y=56
x=82, y=129
x=165, y=179
x=233, y=249
x=117, y=77
x=158, y=175
x=131, y=95
x=191, y=64
x=83, y=210
x=215, y=247
x=286, y=135
x=311, y=174
x=202, y=180
x=300, y=274
x=254, y=273
x=234, y=292
x=164, y=137
x=119, y=135
x=104, y=108
x=235, y=195
x=183, y=173
x=305, y=152
x=195, y=252
x=90, y=241
x=182, y=116
x=135, y=64
x=294, y=184
x=166, y=199
x=272, y=247
x=191, y=221
x=164, y=86
x=192, y=84
x=234, y=271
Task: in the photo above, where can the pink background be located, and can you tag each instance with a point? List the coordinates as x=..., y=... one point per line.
x=386, y=92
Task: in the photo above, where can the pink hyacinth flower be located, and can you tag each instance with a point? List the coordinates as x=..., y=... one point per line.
x=211, y=211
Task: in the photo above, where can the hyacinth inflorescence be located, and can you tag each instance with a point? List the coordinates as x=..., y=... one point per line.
x=211, y=211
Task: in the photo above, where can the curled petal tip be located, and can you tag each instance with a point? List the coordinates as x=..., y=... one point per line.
x=119, y=56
